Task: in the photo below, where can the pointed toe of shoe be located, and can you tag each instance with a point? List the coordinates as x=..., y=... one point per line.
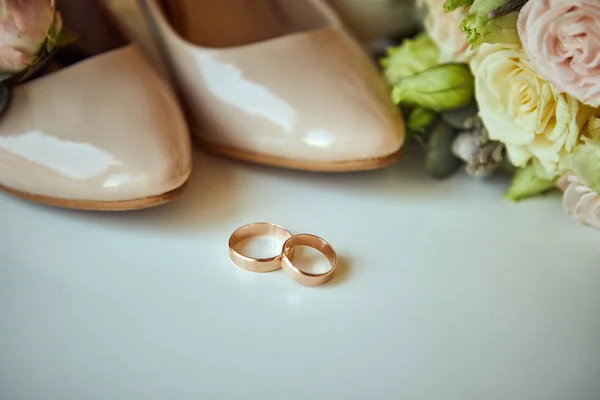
x=107, y=130
x=365, y=133
x=311, y=100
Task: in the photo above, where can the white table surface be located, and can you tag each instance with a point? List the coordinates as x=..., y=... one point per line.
x=446, y=291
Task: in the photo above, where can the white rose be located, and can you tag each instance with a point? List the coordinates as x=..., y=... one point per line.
x=524, y=111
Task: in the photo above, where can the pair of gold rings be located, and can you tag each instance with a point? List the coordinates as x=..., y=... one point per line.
x=285, y=259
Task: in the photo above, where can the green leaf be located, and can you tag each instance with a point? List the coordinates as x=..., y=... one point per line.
x=526, y=183
x=58, y=35
x=420, y=119
x=53, y=32
x=413, y=56
x=444, y=87
x=451, y=5
x=65, y=38
x=440, y=162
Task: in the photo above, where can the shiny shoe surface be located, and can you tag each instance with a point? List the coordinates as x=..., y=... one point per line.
x=105, y=133
x=278, y=83
x=106, y=130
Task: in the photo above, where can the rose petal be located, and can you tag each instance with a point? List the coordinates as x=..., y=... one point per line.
x=562, y=39
x=13, y=60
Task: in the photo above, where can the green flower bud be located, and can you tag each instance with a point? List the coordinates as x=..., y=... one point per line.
x=451, y=5
x=480, y=29
x=526, y=183
x=413, y=56
x=444, y=87
x=420, y=119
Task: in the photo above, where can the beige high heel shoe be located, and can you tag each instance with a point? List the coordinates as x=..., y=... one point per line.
x=277, y=82
x=104, y=134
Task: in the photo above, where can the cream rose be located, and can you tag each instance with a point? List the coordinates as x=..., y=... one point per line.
x=524, y=111
x=562, y=39
x=444, y=29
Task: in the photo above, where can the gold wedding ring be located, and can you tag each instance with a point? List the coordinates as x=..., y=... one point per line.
x=297, y=274
x=253, y=230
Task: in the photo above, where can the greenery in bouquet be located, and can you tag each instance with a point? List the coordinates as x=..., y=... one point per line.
x=30, y=33
x=507, y=85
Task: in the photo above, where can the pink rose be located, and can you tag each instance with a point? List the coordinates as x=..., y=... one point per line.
x=444, y=29
x=562, y=39
x=580, y=201
x=24, y=25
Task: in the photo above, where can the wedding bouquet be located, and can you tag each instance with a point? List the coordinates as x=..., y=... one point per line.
x=507, y=85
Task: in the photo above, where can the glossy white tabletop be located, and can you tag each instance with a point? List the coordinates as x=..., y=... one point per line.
x=445, y=291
